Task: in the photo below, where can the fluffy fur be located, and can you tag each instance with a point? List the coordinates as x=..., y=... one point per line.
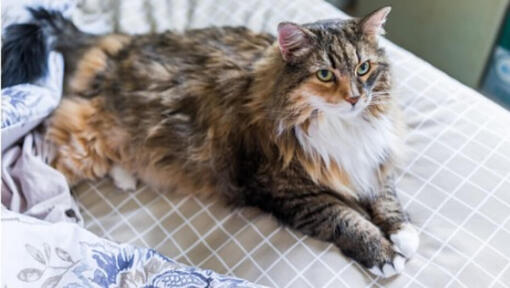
x=330, y=141
x=244, y=115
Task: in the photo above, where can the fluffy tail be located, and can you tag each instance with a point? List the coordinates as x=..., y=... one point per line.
x=26, y=46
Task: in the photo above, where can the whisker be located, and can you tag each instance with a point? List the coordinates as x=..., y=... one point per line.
x=376, y=104
x=381, y=100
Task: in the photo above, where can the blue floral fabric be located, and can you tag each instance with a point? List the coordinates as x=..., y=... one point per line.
x=20, y=103
x=65, y=255
x=110, y=265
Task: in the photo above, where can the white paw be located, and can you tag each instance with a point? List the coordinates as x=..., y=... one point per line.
x=122, y=178
x=406, y=240
x=396, y=266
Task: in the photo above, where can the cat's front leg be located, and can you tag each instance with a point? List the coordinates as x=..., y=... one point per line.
x=325, y=216
x=387, y=213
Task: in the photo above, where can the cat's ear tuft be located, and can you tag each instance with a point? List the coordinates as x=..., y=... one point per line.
x=372, y=24
x=294, y=41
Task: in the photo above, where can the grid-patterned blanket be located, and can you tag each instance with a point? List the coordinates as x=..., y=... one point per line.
x=455, y=184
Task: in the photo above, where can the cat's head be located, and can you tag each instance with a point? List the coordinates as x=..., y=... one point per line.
x=333, y=66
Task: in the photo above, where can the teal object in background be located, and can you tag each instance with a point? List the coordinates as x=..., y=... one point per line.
x=497, y=79
x=505, y=33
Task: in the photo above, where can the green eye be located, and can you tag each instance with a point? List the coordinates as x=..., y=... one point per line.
x=325, y=75
x=363, y=68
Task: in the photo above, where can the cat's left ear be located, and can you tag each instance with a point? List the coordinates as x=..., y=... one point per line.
x=295, y=41
x=372, y=24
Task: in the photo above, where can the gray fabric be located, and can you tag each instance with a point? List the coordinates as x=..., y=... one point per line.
x=32, y=187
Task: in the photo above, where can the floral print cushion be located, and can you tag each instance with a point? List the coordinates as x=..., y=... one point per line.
x=41, y=254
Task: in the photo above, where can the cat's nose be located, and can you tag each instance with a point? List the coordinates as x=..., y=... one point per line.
x=352, y=100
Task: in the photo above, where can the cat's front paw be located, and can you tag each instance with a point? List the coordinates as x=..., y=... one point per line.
x=404, y=243
x=390, y=268
x=405, y=240
x=122, y=179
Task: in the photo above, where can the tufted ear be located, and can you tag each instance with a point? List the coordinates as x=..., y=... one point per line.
x=372, y=24
x=294, y=41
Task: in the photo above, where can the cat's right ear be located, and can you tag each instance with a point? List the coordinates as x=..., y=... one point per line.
x=294, y=41
x=372, y=25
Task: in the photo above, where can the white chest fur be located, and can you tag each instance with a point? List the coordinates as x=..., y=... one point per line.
x=357, y=145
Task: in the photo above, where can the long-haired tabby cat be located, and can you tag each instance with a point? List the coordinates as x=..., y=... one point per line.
x=301, y=125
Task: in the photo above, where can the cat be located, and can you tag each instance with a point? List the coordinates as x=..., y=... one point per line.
x=302, y=125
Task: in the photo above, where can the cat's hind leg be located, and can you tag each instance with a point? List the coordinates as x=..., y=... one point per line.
x=81, y=133
x=122, y=178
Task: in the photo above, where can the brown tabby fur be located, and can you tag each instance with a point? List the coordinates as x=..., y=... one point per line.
x=213, y=110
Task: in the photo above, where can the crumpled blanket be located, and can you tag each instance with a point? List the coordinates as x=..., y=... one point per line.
x=32, y=187
x=29, y=185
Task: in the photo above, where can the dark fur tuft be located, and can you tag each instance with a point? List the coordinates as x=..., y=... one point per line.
x=26, y=46
x=24, y=54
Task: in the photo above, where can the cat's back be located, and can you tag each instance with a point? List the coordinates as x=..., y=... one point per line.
x=121, y=64
x=213, y=61
x=203, y=51
x=238, y=43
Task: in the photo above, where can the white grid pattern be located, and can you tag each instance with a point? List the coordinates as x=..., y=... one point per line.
x=446, y=122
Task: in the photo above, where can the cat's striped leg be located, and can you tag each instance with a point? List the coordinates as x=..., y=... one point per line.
x=323, y=215
x=387, y=213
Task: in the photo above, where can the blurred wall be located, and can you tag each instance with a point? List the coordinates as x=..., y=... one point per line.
x=454, y=35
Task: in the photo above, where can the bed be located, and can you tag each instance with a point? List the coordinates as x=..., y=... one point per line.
x=455, y=183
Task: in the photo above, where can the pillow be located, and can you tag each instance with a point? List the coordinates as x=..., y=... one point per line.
x=14, y=11
x=144, y=16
